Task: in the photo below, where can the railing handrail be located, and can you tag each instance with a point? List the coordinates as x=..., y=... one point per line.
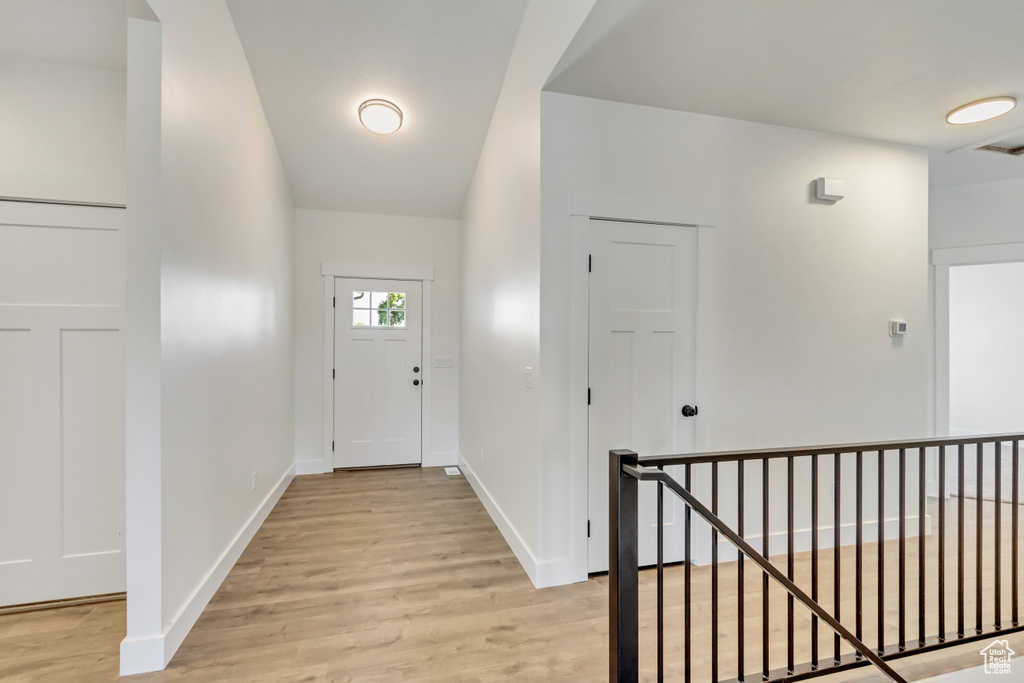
x=783, y=452
x=642, y=473
x=627, y=469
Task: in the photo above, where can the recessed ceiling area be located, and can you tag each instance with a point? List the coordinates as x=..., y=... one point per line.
x=442, y=63
x=875, y=69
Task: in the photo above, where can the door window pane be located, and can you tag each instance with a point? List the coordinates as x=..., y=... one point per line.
x=378, y=309
x=360, y=318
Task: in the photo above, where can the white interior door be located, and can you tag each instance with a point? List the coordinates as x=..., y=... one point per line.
x=61, y=402
x=378, y=338
x=643, y=324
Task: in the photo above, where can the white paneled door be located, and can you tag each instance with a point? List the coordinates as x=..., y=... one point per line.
x=378, y=381
x=643, y=324
x=61, y=402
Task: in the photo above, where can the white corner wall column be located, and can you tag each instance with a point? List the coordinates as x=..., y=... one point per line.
x=192, y=513
x=584, y=207
x=143, y=646
x=425, y=274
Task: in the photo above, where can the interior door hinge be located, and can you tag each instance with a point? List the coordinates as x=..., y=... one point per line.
x=332, y=446
x=334, y=302
x=588, y=396
x=590, y=263
x=334, y=374
x=588, y=528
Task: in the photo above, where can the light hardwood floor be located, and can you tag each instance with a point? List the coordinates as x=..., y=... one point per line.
x=391, y=575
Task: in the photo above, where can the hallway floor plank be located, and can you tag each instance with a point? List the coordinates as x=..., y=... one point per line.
x=387, y=575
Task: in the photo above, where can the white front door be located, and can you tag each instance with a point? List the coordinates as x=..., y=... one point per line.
x=643, y=324
x=378, y=372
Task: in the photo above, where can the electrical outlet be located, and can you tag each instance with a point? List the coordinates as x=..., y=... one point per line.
x=252, y=484
x=529, y=377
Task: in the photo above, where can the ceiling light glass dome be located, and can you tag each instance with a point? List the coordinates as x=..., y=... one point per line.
x=380, y=116
x=982, y=110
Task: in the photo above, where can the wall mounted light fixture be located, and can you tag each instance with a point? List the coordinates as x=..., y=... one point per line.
x=829, y=189
x=380, y=116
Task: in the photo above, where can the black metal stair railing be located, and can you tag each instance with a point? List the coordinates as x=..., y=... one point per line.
x=628, y=470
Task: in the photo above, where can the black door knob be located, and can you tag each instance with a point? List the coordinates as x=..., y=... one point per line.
x=415, y=382
x=416, y=369
x=689, y=411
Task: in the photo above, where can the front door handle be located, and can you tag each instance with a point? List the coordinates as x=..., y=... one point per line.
x=689, y=411
x=415, y=382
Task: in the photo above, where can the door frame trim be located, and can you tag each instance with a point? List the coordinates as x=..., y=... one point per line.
x=628, y=209
x=941, y=261
x=425, y=275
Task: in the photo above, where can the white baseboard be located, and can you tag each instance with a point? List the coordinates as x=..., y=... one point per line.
x=558, y=572
x=543, y=573
x=142, y=655
x=512, y=537
x=440, y=460
x=309, y=467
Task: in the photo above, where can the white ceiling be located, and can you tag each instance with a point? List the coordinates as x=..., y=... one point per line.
x=81, y=32
x=880, y=69
x=441, y=61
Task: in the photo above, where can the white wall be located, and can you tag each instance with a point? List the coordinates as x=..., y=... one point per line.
x=63, y=132
x=227, y=373
x=499, y=438
x=386, y=241
x=969, y=215
x=986, y=366
x=796, y=294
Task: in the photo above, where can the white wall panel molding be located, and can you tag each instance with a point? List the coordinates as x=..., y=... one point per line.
x=62, y=284
x=62, y=202
x=40, y=214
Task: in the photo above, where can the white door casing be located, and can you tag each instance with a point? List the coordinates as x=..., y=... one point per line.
x=642, y=365
x=379, y=373
x=61, y=402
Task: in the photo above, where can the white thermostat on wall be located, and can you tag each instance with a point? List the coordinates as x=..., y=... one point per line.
x=897, y=328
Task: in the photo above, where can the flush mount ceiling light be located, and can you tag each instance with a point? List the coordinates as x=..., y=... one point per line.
x=380, y=116
x=982, y=110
